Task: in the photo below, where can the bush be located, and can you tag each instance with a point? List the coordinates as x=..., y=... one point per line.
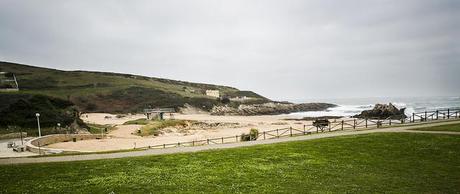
x=253, y=135
x=20, y=110
x=225, y=100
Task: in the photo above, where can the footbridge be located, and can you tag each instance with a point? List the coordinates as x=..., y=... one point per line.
x=158, y=111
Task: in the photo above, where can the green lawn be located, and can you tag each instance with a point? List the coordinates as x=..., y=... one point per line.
x=452, y=127
x=384, y=162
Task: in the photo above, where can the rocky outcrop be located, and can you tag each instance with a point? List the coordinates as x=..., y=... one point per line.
x=189, y=109
x=271, y=108
x=383, y=111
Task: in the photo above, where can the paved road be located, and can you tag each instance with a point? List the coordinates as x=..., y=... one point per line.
x=224, y=146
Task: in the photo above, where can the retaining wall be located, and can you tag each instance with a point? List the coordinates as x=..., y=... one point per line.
x=36, y=145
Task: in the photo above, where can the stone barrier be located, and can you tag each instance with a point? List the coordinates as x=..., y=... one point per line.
x=36, y=145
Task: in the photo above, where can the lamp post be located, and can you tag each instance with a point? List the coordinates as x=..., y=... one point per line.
x=38, y=123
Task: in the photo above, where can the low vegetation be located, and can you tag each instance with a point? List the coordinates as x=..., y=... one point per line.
x=98, y=129
x=154, y=127
x=251, y=136
x=137, y=122
x=19, y=110
x=372, y=163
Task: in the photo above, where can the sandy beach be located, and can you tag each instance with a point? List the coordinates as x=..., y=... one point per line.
x=216, y=127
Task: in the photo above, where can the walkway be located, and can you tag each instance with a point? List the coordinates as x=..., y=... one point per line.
x=224, y=146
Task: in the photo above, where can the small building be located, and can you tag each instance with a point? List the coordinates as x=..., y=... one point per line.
x=213, y=93
x=8, y=82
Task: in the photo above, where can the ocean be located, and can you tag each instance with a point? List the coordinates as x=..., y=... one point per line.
x=352, y=106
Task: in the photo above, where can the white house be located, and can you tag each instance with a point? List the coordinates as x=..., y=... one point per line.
x=213, y=93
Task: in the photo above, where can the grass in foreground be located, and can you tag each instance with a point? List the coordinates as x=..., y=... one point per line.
x=387, y=162
x=452, y=127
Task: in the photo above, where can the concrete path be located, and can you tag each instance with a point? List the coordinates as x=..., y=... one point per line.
x=6, y=152
x=406, y=129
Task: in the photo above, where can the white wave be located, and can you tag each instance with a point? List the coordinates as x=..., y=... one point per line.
x=412, y=105
x=409, y=110
x=342, y=110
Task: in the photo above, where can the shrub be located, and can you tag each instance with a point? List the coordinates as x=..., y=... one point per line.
x=225, y=100
x=253, y=135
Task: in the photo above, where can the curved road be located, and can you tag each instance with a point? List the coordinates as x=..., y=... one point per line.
x=405, y=129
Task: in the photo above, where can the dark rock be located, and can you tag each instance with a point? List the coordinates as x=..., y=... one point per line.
x=271, y=108
x=383, y=111
x=314, y=118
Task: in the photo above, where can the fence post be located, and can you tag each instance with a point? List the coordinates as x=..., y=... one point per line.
x=277, y=133
x=390, y=122
x=290, y=131
x=354, y=123
x=303, y=129
x=413, y=117
x=317, y=131
x=193, y=143
x=207, y=140
x=236, y=137
x=426, y=119
x=342, y=125
x=448, y=113
x=222, y=140
x=366, y=122
x=164, y=145
x=178, y=144
x=264, y=135
x=437, y=114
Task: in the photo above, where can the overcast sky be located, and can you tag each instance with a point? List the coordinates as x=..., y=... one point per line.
x=282, y=49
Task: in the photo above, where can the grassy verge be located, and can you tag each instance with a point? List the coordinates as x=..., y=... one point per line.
x=372, y=163
x=97, y=129
x=452, y=127
x=154, y=127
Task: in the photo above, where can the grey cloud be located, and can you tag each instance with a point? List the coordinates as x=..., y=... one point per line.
x=281, y=49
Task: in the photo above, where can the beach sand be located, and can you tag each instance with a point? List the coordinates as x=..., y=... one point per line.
x=122, y=137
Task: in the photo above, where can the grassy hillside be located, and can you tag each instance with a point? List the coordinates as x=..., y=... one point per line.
x=113, y=92
x=373, y=163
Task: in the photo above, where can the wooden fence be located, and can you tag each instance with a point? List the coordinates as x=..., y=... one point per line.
x=335, y=125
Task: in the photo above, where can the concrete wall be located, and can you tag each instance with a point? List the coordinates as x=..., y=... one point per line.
x=36, y=145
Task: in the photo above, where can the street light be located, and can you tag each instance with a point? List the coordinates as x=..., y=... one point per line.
x=38, y=123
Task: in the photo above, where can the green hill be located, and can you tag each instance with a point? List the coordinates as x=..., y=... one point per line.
x=115, y=92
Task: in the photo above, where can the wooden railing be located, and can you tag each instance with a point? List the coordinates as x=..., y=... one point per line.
x=335, y=125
